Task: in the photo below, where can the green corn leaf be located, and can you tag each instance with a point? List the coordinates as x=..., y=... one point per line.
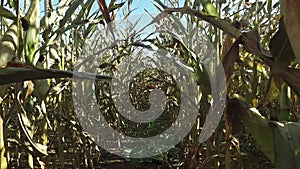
x=282, y=7
x=216, y=21
x=86, y=9
x=286, y=144
x=258, y=126
x=70, y=12
x=15, y=74
x=32, y=33
x=209, y=7
x=284, y=114
x=5, y=13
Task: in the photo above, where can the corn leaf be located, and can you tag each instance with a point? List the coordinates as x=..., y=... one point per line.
x=292, y=25
x=209, y=7
x=286, y=144
x=9, y=45
x=257, y=125
x=32, y=33
x=5, y=13
x=15, y=74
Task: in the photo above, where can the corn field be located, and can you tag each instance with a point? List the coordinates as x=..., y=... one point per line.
x=49, y=49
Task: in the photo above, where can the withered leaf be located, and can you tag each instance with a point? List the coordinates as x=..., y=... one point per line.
x=280, y=46
x=230, y=58
x=292, y=25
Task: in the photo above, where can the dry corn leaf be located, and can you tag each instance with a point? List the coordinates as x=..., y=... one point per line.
x=292, y=25
x=280, y=46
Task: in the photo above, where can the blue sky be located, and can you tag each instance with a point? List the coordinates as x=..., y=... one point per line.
x=138, y=5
